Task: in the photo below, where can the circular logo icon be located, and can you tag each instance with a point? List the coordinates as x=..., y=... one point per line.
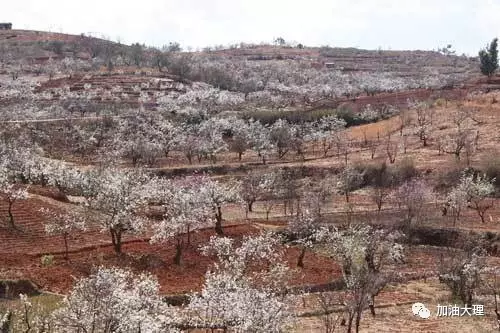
x=424, y=313
x=416, y=307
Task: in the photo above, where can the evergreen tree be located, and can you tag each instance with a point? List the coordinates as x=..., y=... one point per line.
x=489, y=58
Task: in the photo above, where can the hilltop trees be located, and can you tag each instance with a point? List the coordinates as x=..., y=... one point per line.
x=489, y=58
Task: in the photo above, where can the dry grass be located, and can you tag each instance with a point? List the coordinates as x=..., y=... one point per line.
x=396, y=316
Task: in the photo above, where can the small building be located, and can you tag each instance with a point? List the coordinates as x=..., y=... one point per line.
x=5, y=26
x=329, y=65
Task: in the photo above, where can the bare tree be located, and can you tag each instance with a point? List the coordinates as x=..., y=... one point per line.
x=404, y=118
x=343, y=144
x=329, y=318
x=459, y=141
x=425, y=114
x=372, y=145
x=382, y=186
x=464, y=138
x=391, y=148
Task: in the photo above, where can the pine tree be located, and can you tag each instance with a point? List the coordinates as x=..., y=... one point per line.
x=489, y=58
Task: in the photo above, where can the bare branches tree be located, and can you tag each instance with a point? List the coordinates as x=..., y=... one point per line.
x=425, y=114
x=391, y=148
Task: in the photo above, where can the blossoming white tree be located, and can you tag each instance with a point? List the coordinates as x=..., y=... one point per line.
x=412, y=196
x=362, y=252
x=10, y=191
x=238, y=297
x=260, y=140
x=349, y=180
x=115, y=300
x=217, y=194
x=185, y=210
x=116, y=196
x=475, y=191
x=302, y=229
x=63, y=224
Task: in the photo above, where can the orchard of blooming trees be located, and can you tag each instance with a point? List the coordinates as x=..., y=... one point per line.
x=234, y=296
x=103, y=144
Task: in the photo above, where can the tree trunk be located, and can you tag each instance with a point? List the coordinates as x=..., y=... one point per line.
x=218, y=221
x=481, y=215
x=11, y=216
x=66, y=249
x=349, y=323
x=250, y=206
x=116, y=238
x=300, y=262
x=178, y=252
x=372, y=305
x=358, y=320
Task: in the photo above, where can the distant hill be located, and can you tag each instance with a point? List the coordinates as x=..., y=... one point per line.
x=29, y=45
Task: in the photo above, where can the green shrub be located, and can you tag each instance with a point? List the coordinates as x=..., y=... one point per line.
x=449, y=179
x=373, y=174
x=57, y=47
x=492, y=170
x=294, y=117
x=440, y=102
